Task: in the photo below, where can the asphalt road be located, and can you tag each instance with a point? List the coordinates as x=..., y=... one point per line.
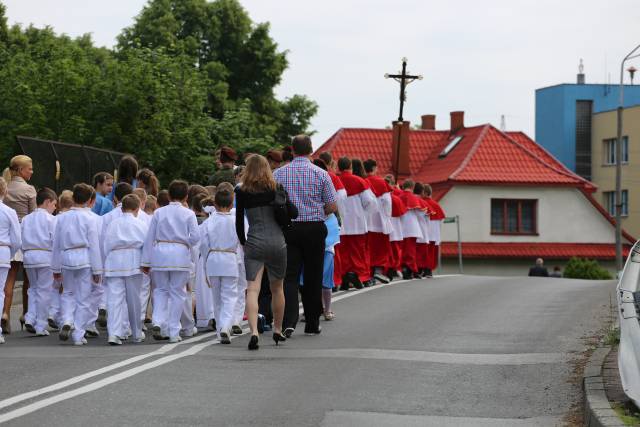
x=450, y=351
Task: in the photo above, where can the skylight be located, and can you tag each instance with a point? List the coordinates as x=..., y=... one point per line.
x=450, y=146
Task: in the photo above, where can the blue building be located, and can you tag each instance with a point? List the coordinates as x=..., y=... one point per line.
x=563, y=118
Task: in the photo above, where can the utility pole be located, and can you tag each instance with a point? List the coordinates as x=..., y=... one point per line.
x=618, y=200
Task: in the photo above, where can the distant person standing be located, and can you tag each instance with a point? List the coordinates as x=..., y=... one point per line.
x=557, y=273
x=103, y=184
x=539, y=270
x=311, y=191
x=226, y=161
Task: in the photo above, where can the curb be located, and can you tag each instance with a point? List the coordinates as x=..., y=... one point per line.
x=597, y=409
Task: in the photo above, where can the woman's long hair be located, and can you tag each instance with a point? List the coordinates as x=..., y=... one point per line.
x=150, y=181
x=16, y=163
x=257, y=176
x=127, y=169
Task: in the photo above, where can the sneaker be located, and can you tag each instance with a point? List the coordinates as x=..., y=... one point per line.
x=224, y=337
x=141, y=338
x=78, y=343
x=1, y=339
x=91, y=333
x=43, y=333
x=328, y=316
x=113, y=340
x=189, y=332
x=64, y=332
x=174, y=340
x=212, y=324
x=382, y=278
x=236, y=330
x=156, y=332
x=102, y=318
x=52, y=324
x=288, y=332
x=84, y=341
x=30, y=328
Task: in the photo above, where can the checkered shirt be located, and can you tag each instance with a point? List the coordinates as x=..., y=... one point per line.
x=309, y=188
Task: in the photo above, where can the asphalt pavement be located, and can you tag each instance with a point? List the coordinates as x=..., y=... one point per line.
x=448, y=351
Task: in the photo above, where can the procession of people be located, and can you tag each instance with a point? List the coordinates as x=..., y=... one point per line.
x=125, y=255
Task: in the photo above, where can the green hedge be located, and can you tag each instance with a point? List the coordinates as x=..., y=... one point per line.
x=582, y=268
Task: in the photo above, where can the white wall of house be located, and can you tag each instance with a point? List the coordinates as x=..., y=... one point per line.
x=564, y=215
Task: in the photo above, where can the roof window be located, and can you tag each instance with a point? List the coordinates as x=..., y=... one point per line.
x=450, y=146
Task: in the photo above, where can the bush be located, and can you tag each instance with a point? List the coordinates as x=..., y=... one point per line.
x=582, y=268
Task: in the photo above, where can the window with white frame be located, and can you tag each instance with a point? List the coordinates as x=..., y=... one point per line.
x=609, y=201
x=610, y=150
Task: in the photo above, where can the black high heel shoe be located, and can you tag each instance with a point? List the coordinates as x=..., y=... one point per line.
x=279, y=338
x=253, y=343
x=5, y=325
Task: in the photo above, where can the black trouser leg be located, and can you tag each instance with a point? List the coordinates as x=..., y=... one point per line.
x=312, y=239
x=294, y=264
x=264, y=299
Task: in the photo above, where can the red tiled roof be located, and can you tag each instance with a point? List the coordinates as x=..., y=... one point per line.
x=532, y=250
x=483, y=156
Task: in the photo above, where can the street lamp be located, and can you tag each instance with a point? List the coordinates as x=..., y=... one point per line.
x=619, y=260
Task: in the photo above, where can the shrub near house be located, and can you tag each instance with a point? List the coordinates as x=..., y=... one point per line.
x=582, y=268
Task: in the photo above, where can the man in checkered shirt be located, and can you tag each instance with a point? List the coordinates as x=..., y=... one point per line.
x=311, y=191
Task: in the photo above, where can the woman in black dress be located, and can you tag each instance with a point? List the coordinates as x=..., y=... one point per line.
x=264, y=245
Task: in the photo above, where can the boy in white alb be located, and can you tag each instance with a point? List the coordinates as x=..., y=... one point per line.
x=122, y=248
x=10, y=241
x=121, y=190
x=38, y=229
x=77, y=261
x=145, y=289
x=219, y=247
x=65, y=203
x=167, y=254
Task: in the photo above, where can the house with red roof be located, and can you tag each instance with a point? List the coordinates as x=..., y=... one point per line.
x=514, y=200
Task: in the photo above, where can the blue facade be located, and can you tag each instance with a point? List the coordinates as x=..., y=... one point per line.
x=556, y=113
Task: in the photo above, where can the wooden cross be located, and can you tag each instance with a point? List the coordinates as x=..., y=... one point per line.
x=404, y=79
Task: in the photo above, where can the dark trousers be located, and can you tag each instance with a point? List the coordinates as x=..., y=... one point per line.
x=264, y=299
x=305, y=247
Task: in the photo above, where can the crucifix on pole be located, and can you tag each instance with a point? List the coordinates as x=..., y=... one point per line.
x=404, y=79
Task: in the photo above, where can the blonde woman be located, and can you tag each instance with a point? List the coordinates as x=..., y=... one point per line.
x=21, y=197
x=264, y=245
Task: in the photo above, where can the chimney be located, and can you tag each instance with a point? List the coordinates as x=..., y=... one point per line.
x=580, y=79
x=457, y=121
x=428, y=122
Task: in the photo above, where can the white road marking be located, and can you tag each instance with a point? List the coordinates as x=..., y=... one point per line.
x=130, y=372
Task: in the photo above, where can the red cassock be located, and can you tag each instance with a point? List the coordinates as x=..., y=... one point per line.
x=353, y=249
x=422, y=249
x=337, y=265
x=436, y=216
x=379, y=224
x=398, y=208
x=411, y=231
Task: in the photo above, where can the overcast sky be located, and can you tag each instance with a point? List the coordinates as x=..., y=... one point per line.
x=483, y=57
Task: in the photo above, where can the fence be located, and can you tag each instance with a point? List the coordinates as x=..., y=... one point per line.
x=59, y=165
x=629, y=316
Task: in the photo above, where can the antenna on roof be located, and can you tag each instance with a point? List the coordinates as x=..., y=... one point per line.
x=503, y=123
x=581, y=73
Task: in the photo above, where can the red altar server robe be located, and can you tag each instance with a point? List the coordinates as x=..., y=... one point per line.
x=360, y=201
x=398, y=208
x=379, y=223
x=411, y=230
x=422, y=243
x=340, y=199
x=437, y=215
